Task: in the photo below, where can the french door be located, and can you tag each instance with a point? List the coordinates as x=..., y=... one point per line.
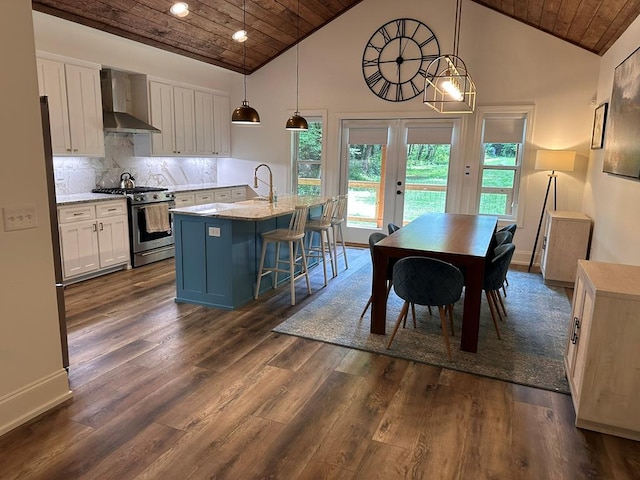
x=394, y=171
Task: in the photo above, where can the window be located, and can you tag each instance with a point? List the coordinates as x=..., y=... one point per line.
x=501, y=164
x=307, y=158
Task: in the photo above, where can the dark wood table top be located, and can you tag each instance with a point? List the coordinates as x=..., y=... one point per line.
x=444, y=233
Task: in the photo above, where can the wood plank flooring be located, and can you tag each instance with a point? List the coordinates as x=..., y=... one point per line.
x=175, y=391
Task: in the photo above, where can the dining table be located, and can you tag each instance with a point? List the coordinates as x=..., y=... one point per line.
x=466, y=241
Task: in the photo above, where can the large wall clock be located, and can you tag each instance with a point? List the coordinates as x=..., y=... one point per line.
x=396, y=57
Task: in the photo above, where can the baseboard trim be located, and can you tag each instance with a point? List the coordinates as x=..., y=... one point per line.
x=24, y=404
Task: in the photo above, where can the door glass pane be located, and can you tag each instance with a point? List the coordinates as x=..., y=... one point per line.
x=366, y=185
x=504, y=154
x=426, y=180
x=309, y=159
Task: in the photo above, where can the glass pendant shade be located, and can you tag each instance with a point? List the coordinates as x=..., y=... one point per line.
x=448, y=87
x=297, y=122
x=245, y=115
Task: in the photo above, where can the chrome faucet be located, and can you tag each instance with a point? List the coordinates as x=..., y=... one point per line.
x=255, y=180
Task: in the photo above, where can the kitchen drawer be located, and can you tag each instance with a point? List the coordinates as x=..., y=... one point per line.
x=110, y=209
x=76, y=213
x=238, y=194
x=184, y=199
x=205, y=196
x=223, y=195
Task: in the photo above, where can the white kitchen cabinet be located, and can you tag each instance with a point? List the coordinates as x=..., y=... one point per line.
x=94, y=238
x=75, y=105
x=162, y=117
x=238, y=194
x=223, y=195
x=565, y=241
x=204, y=196
x=204, y=123
x=184, y=121
x=602, y=358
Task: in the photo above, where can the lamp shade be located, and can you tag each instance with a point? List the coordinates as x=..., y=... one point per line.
x=245, y=115
x=558, y=160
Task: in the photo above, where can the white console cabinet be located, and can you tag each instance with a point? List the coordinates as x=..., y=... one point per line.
x=602, y=358
x=94, y=237
x=565, y=241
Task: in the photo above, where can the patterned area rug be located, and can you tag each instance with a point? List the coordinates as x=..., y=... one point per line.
x=529, y=353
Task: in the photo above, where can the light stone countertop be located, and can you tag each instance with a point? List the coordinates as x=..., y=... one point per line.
x=251, y=210
x=196, y=187
x=86, y=198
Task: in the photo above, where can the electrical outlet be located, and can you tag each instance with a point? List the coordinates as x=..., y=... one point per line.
x=19, y=218
x=214, y=231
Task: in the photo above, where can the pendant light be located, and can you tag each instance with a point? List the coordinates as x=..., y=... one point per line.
x=244, y=114
x=296, y=121
x=448, y=87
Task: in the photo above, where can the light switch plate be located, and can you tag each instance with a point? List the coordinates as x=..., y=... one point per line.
x=19, y=217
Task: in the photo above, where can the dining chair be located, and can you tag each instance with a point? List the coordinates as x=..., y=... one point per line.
x=494, y=275
x=427, y=281
x=338, y=218
x=293, y=237
x=512, y=228
x=503, y=237
x=373, y=239
x=321, y=226
x=392, y=227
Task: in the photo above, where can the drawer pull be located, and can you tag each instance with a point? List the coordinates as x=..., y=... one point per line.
x=78, y=214
x=576, y=327
x=112, y=209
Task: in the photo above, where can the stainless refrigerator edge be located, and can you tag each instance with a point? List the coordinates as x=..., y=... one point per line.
x=53, y=218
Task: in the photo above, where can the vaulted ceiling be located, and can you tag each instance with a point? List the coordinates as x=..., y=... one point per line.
x=205, y=34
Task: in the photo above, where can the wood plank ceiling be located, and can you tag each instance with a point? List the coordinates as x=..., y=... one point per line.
x=205, y=34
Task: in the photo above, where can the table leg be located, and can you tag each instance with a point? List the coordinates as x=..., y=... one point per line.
x=379, y=292
x=472, y=301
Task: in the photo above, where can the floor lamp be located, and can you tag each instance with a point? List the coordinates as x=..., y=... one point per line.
x=555, y=161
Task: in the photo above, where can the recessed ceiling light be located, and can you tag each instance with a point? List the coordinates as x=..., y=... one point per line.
x=240, y=36
x=179, y=9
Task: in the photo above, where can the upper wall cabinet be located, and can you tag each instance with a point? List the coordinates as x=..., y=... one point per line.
x=193, y=122
x=75, y=105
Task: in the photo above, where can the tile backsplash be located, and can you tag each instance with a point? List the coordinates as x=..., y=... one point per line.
x=82, y=174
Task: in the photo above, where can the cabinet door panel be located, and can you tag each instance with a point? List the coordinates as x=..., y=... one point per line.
x=161, y=111
x=52, y=83
x=79, y=244
x=85, y=110
x=184, y=117
x=222, y=125
x=204, y=123
x=113, y=241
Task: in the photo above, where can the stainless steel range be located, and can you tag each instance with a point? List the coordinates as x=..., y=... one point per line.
x=150, y=223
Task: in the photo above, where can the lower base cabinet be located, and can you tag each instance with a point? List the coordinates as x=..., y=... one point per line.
x=94, y=237
x=602, y=358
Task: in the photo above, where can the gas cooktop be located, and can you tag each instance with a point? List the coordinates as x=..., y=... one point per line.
x=128, y=191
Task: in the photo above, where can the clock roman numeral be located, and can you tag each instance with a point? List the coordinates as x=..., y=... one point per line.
x=428, y=40
x=399, y=94
x=385, y=34
x=416, y=89
x=376, y=48
x=401, y=26
x=370, y=63
x=384, y=91
x=429, y=58
x=374, y=78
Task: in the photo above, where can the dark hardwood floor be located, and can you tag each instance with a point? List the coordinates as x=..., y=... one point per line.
x=174, y=391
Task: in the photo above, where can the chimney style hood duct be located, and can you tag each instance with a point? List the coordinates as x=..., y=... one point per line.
x=116, y=108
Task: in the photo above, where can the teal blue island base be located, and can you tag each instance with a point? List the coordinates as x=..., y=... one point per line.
x=217, y=258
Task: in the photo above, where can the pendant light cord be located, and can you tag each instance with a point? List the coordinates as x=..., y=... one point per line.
x=456, y=32
x=244, y=49
x=297, y=60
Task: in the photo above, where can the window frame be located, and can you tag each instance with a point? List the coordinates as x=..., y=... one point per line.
x=519, y=185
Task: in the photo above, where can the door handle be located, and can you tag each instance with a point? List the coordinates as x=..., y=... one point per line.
x=576, y=327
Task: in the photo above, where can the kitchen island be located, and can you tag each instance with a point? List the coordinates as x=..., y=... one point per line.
x=218, y=248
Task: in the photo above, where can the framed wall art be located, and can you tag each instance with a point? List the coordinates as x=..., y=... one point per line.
x=599, y=120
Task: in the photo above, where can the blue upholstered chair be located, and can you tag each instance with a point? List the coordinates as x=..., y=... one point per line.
x=373, y=239
x=392, y=227
x=494, y=274
x=427, y=281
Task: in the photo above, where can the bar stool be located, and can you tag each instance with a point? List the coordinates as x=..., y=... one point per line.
x=322, y=226
x=294, y=238
x=339, y=214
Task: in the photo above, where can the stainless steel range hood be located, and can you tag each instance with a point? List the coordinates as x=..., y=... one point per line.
x=116, y=104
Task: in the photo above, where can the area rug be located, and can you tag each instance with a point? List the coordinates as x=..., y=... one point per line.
x=529, y=353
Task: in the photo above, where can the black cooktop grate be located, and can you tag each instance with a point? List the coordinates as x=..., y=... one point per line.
x=125, y=191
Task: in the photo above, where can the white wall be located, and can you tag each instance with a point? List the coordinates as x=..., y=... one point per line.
x=610, y=200
x=511, y=63
x=31, y=375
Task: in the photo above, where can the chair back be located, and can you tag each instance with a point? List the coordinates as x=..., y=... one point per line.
x=511, y=228
x=327, y=212
x=427, y=281
x=339, y=210
x=298, y=221
x=503, y=237
x=373, y=239
x=392, y=227
x=496, y=271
